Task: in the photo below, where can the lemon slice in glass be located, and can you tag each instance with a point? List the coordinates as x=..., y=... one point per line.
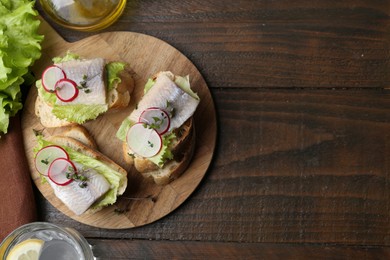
x=28, y=250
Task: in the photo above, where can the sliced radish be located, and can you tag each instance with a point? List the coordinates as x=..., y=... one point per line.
x=66, y=90
x=50, y=77
x=157, y=118
x=58, y=170
x=143, y=140
x=46, y=156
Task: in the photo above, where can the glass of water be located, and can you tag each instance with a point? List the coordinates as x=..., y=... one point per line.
x=46, y=241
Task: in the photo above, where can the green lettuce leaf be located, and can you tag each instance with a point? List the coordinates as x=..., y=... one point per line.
x=48, y=97
x=4, y=113
x=19, y=49
x=113, y=71
x=78, y=113
x=149, y=84
x=123, y=129
x=69, y=56
x=165, y=153
x=184, y=84
x=115, y=178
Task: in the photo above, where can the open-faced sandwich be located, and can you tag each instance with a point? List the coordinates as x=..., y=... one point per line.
x=80, y=176
x=159, y=134
x=74, y=90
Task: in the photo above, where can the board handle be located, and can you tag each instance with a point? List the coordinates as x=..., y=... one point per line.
x=52, y=38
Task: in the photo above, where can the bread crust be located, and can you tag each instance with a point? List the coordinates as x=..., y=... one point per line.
x=81, y=134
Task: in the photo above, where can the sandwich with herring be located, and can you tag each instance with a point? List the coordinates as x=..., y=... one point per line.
x=81, y=177
x=159, y=134
x=74, y=90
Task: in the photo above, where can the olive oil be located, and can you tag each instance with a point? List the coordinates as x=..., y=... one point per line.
x=84, y=15
x=94, y=9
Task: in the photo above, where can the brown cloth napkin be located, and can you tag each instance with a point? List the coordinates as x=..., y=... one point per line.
x=17, y=206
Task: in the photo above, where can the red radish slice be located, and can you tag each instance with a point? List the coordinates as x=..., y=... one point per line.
x=157, y=118
x=50, y=77
x=46, y=156
x=143, y=140
x=66, y=90
x=58, y=169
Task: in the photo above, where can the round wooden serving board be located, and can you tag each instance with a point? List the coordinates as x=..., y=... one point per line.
x=146, y=55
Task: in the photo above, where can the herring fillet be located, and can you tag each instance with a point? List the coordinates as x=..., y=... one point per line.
x=91, y=72
x=165, y=90
x=79, y=199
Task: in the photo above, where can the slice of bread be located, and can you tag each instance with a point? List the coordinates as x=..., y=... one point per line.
x=118, y=97
x=182, y=148
x=81, y=134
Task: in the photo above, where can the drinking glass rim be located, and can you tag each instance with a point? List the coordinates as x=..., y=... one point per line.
x=74, y=235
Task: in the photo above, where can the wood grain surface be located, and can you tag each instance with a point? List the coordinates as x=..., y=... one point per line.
x=302, y=101
x=143, y=202
x=130, y=249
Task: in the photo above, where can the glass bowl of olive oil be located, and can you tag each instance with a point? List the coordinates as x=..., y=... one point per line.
x=84, y=15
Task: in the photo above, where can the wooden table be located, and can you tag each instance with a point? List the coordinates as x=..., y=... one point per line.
x=302, y=162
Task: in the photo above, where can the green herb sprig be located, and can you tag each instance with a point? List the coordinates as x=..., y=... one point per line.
x=83, y=85
x=71, y=174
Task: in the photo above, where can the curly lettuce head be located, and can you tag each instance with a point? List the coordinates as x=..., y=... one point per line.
x=19, y=49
